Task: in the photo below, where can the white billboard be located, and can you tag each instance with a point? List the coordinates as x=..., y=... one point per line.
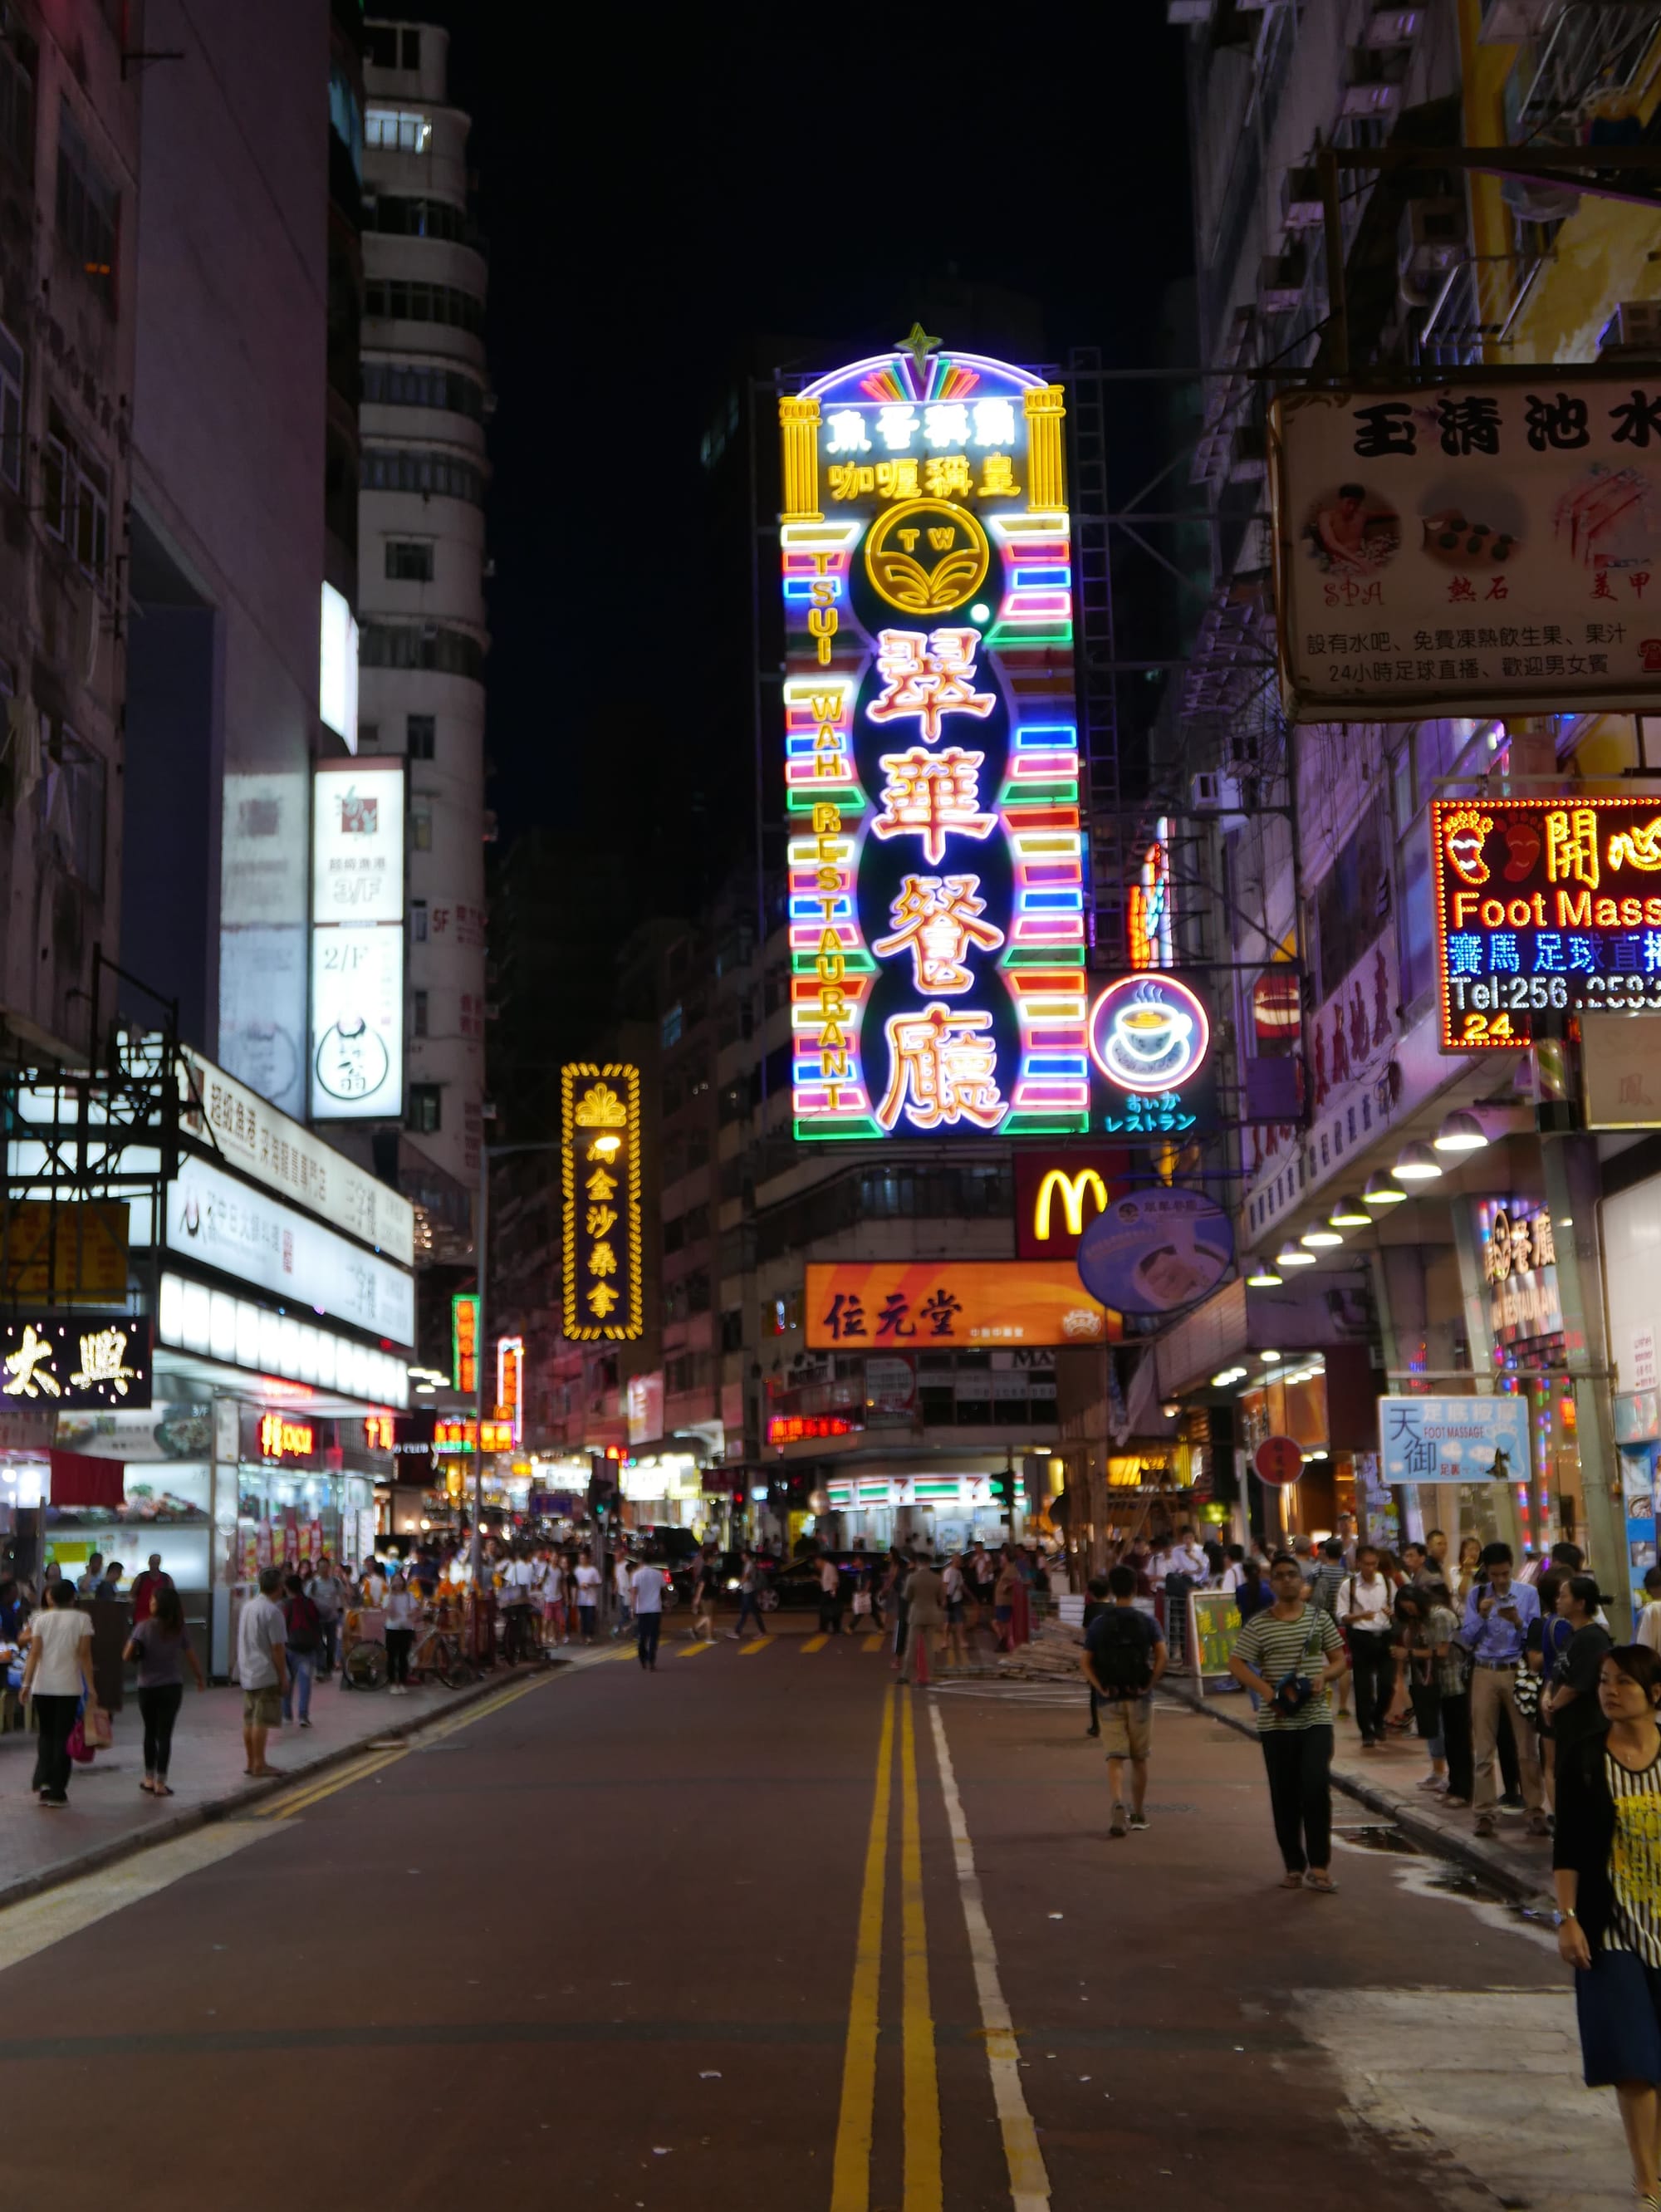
x=1473, y=548
x=259, y=1241
x=356, y=1063
x=337, y=668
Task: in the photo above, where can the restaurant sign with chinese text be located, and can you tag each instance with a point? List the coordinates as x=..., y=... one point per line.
x=931, y=1304
x=68, y=1363
x=1484, y=550
x=600, y=1139
x=1547, y=906
x=1519, y=1266
x=936, y=894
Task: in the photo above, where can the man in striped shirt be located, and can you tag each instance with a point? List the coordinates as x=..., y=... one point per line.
x=1288, y=1654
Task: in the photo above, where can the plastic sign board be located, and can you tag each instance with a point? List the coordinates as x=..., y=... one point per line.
x=1278, y=1461
x=1454, y=1439
x=1150, y=1048
x=357, y=941
x=337, y=668
x=1473, y=550
x=75, y=1250
x=1156, y=1250
x=935, y=871
x=1543, y=906
x=600, y=1141
x=69, y=1363
x=926, y=1305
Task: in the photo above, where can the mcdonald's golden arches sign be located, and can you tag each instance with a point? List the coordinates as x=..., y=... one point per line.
x=1059, y=1193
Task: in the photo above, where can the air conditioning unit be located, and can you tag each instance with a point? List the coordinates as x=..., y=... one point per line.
x=1430, y=242
x=1635, y=327
x=1301, y=205
x=1392, y=25
x=1280, y=280
x=1212, y=793
x=1374, y=80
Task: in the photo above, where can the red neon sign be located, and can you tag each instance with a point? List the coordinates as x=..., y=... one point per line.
x=793, y=1428
x=284, y=1439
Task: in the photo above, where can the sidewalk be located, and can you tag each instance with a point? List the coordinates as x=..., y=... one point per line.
x=110, y=1816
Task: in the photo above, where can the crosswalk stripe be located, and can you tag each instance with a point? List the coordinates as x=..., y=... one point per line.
x=754, y=1644
x=691, y=1650
x=815, y=1644
x=873, y=1643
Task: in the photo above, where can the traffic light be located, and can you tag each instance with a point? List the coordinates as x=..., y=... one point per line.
x=1004, y=1489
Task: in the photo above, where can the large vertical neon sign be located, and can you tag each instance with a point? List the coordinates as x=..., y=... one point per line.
x=936, y=893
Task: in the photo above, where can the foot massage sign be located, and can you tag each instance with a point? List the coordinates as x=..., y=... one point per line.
x=936, y=901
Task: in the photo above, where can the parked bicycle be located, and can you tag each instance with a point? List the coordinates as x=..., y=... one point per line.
x=438, y=1655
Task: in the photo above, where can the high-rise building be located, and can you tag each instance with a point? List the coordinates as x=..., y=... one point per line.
x=68, y=182
x=421, y=566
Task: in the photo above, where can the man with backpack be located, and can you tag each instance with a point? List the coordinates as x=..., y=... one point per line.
x=1124, y=1655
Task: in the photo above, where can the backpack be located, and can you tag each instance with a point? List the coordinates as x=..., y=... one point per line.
x=1120, y=1653
x=301, y=1620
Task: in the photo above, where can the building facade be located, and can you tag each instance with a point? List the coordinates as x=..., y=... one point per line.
x=421, y=564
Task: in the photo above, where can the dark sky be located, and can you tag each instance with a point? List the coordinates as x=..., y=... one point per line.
x=660, y=192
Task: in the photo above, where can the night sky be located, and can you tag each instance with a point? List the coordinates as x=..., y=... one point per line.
x=662, y=195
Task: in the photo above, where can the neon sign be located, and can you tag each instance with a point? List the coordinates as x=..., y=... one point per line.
x=510, y=1383
x=1544, y=905
x=457, y=1435
x=283, y=1439
x=600, y=1109
x=795, y=1428
x=936, y=895
x=464, y=1342
x=1150, y=1040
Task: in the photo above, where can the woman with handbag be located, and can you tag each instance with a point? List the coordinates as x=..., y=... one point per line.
x=1606, y=1864
x=1424, y=1631
x=163, y=1651
x=57, y=1677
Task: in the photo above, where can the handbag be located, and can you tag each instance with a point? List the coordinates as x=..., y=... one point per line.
x=97, y=1729
x=1526, y=1690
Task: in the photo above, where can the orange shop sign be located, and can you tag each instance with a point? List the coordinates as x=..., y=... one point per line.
x=926, y=1304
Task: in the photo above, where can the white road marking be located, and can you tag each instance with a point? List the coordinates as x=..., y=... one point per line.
x=1029, y=2181
x=38, y=1922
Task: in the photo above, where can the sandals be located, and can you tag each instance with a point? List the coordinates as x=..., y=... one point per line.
x=1322, y=1884
x=1292, y=1882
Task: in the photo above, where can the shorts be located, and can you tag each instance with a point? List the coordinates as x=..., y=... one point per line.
x=1618, y=2001
x=1127, y=1727
x=262, y=1708
x=955, y=1613
x=1004, y=1613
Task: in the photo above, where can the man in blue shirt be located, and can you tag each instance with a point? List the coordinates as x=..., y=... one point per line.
x=1497, y=1615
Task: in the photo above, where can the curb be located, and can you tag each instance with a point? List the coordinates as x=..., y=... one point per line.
x=1463, y=1851
x=97, y=1857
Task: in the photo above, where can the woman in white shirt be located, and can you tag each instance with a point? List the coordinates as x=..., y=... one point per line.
x=402, y=1619
x=56, y=1676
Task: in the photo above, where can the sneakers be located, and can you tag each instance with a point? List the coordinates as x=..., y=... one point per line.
x=1512, y=1802
x=1138, y=1820
x=1486, y=1824
x=1117, y=1827
x=1536, y=1825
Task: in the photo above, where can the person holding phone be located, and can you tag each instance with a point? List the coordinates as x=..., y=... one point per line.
x=1498, y=1612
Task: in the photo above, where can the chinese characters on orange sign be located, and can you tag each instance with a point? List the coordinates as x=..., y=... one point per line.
x=884, y=1305
x=465, y=1342
x=601, y=1151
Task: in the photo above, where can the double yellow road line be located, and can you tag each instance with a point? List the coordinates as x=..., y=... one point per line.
x=850, y=2176
x=359, y=1769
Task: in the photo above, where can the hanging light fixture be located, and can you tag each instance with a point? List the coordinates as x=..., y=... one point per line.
x=1382, y=1189
x=1461, y=1132
x=1417, y=1163
x=1320, y=1240
x=1291, y=1255
x=1350, y=1214
x=1262, y=1276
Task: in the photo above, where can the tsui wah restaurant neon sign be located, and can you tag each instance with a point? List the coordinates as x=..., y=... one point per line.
x=282, y=1438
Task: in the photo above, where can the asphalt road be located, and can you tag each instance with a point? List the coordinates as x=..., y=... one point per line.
x=678, y=1940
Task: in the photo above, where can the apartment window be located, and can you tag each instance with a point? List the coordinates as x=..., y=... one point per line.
x=421, y=645
x=418, y=1021
x=420, y=829
x=414, y=301
x=732, y=1330
x=392, y=45
x=425, y=1114
x=87, y=208
x=368, y=737
x=398, y=130
x=418, y=920
x=76, y=497
x=421, y=732
x=69, y=800
x=16, y=108
x=396, y=216
x=11, y=407
x=672, y=1026
x=397, y=384
x=409, y=560
x=387, y=469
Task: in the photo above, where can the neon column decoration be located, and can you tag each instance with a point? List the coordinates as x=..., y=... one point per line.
x=936, y=860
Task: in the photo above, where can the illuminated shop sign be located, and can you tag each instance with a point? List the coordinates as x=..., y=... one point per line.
x=937, y=899
x=600, y=1124
x=69, y=1362
x=917, y=1305
x=1479, y=549
x=456, y=1434
x=1059, y=1193
x=796, y=1428
x=1519, y=1265
x=1150, y=1040
x=510, y=1382
x=465, y=1342
x=1544, y=905
x=357, y=941
x=282, y=1438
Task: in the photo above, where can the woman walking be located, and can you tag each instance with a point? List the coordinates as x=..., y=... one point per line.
x=1606, y=1863
x=56, y=1676
x=1423, y=1632
x=704, y=1570
x=402, y=1618
x=162, y=1650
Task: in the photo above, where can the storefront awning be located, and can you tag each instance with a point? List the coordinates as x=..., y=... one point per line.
x=1336, y=1308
